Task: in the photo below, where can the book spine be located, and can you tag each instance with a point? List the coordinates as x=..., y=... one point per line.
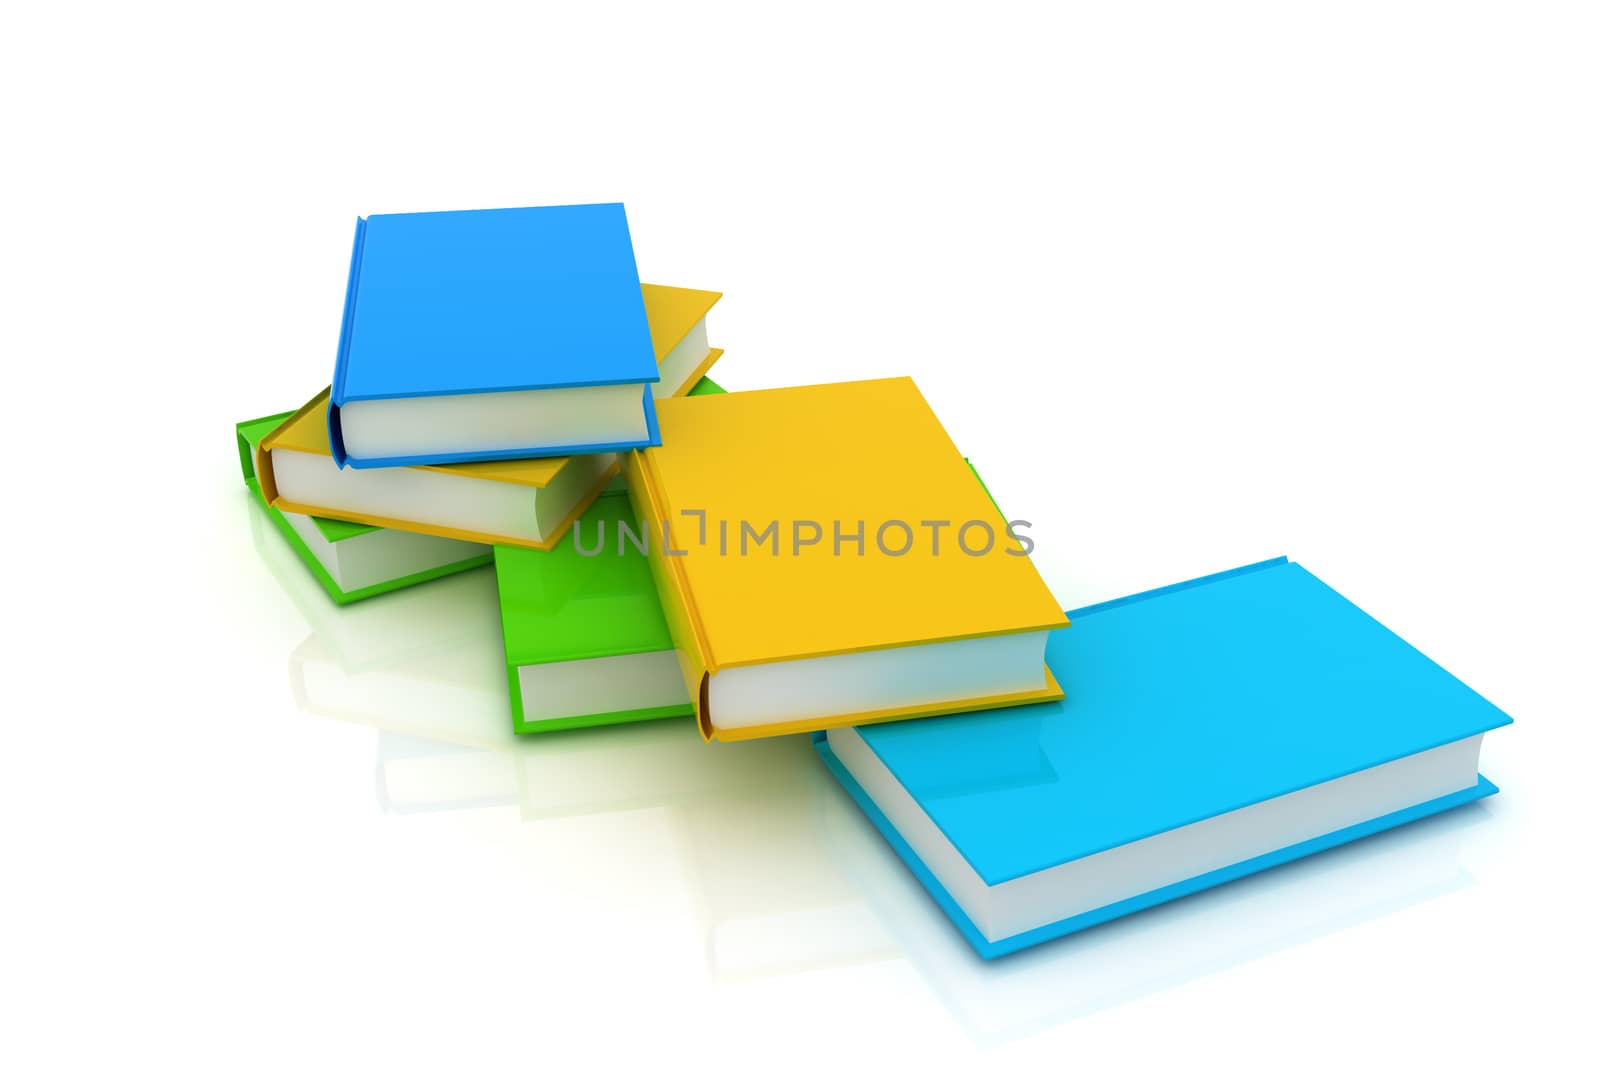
x=677, y=601
x=341, y=358
x=248, y=434
x=247, y=455
x=264, y=475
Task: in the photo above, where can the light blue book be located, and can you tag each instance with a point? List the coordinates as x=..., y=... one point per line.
x=1209, y=730
x=502, y=334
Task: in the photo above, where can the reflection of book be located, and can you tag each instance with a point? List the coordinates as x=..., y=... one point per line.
x=443, y=742
x=419, y=775
x=454, y=697
x=391, y=628
x=349, y=560
x=1212, y=730
x=451, y=694
x=772, y=896
x=662, y=763
x=1002, y=1000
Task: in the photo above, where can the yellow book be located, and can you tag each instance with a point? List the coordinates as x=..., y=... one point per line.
x=528, y=502
x=825, y=557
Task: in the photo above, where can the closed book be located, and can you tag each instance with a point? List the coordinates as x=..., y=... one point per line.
x=476, y=335
x=586, y=643
x=352, y=561
x=1209, y=730
x=825, y=557
x=528, y=502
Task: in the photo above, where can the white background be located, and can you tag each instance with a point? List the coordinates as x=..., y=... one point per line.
x=1194, y=285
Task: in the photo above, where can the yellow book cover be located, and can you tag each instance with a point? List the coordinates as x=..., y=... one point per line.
x=825, y=557
x=529, y=502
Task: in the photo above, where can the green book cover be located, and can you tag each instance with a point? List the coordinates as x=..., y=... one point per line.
x=352, y=561
x=585, y=640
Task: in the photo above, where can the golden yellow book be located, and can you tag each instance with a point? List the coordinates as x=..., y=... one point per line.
x=529, y=502
x=826, y=558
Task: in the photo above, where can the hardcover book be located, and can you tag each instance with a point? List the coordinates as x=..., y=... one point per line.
x=1209, y=730
x=528, y=502
x=352, y=561
x=585, y=640
x=825, y=557
x=476, y=335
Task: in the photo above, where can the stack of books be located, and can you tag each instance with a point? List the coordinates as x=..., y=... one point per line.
x=822, y=560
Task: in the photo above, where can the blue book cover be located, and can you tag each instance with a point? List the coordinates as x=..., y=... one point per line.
x=1208, y=730
x=494, y=334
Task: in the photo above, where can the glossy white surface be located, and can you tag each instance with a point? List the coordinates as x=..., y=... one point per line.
x=1193, y=285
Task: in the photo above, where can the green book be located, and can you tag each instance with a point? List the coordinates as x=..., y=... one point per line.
x=349, y=560
x=586, y=643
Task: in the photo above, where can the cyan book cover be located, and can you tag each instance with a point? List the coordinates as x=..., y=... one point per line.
x=1208, y=730
x=498, y=301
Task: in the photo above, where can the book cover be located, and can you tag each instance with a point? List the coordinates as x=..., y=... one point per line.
x=459, y=324
x=586, y=643
x=825, y=557
x=529, y=502
x=1209, y=730
x=352, y=561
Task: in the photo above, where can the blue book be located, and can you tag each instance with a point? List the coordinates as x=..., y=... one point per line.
x=1209, y=730
x=503, y=334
